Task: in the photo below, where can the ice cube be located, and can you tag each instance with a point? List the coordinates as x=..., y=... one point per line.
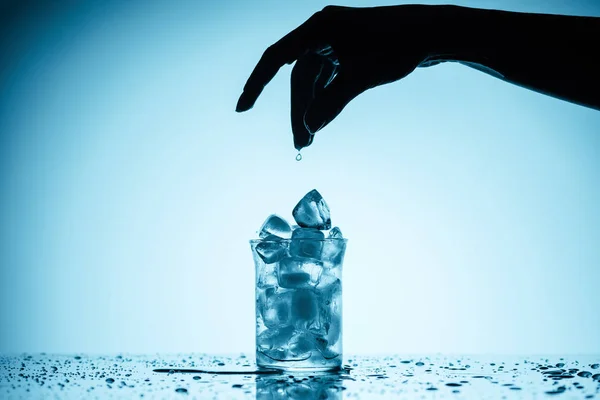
x=275, y=225
x=298, y=272
x=304, y=306
x=334, y=329
x=328, y=281
x=335, y=233
x=301, y=344
x=272, y=249
x=312, y=211
x=275, y=307
x=266, y=274
x=329, y=291
x=294, y=279
x=274, y=338
x=332, y=252
x=307, y=242
x=325, y=348
x=328, y=352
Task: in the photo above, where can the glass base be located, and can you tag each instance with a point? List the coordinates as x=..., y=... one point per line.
x=314, y=363
x=301, y=370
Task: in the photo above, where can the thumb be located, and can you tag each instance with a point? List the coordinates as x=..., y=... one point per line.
x=330, y=102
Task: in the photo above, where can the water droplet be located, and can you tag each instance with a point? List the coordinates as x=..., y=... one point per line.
x=196, y=378
x=558, y=390
x=585, y=374
x=298, y=157
x=181, y=390
x=110, y=380
x=419, y=364
x=595, y=366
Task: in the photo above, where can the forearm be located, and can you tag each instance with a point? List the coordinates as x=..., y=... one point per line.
x=552, y=54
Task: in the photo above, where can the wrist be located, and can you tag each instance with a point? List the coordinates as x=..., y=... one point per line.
x=458, y=34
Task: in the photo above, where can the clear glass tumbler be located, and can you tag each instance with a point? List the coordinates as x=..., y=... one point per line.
x=299, y=303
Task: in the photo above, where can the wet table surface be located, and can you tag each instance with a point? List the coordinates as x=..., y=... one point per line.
x=204, y=376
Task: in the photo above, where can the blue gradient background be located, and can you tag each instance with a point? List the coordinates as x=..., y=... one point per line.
x=129, y=188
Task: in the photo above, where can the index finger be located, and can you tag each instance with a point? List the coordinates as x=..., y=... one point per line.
x=285, y=51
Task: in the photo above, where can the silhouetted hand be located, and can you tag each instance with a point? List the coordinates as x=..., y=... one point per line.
x=340, y=52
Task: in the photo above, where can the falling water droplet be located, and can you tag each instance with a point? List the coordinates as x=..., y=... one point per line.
x=298, y=157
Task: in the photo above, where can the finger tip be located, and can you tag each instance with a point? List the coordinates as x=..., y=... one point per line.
x=241, y=107
x=299, y=143
x=245, y=102
x=301, y=138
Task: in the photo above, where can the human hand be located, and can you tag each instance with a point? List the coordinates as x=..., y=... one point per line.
x=340, y=52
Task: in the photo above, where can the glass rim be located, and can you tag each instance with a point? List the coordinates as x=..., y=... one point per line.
x=256, y=241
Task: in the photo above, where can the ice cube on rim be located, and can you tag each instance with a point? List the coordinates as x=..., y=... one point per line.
x=307, y=242
x=335, y=233
x=275, y=225
x=272, y=249
x=312, y=211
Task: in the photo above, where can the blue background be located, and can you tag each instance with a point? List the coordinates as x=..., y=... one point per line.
x=129, y=189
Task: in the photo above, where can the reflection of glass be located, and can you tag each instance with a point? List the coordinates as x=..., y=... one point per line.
x=299, y=303
x=277, y=387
